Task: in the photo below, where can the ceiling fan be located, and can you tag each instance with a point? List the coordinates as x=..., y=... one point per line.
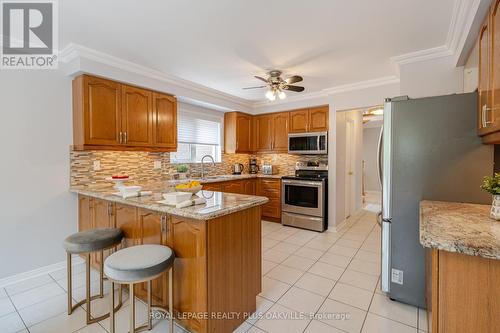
x=277, y=85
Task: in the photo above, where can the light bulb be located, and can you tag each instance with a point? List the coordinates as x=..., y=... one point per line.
x=270, y=95
x=377, y=112
x=282, y=95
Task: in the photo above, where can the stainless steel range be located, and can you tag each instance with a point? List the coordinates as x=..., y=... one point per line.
x=304, y=202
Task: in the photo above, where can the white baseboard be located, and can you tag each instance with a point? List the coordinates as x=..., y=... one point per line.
x=6, y=281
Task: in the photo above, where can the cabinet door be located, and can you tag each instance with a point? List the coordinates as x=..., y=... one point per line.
x=270, y=188
x=212, y=187
x=249, y=187
x=233, y=187
x=493, y=117
x=264, y=132
x=298, y=121
x=164, y=121
x=137, y=119
x=102, y=217
x=126, y=219
x=152, y=229
x=190, y=270
x=484, y=79
x=102, y=111
x=84, y=213
x=318, y=119
x=280, y=132
x=243, y=133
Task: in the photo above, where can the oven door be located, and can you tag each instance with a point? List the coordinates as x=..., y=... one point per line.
x=303, y=197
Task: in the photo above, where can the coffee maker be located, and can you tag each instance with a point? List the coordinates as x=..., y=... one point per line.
x=253, y=167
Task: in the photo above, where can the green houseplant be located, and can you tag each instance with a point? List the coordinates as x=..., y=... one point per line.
x=492, y=186
x=182, y=169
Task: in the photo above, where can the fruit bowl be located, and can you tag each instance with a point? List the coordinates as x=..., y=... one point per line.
x=192, y=189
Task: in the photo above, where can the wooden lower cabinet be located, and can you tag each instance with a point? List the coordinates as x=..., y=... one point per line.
x=462, y=292
x=217, y=267
x=270, y=188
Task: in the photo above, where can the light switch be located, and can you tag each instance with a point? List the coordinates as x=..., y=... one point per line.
x=97, y=165
x=157, y=164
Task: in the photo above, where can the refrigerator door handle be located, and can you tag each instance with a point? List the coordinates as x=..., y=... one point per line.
x=379, y=156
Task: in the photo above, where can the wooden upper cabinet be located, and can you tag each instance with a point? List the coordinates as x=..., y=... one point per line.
x=318, y=119
x=309, y=120
x=299, y=120
x=484, y=77
x=237, y=132
x=280, y=132
x=137, y=116
x=164, y=121
x=115, y=116
x=493, y=117
x=96, y=111
x=264, y=132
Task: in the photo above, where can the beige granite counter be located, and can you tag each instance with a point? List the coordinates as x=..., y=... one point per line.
x=218, y=203
x=224, y=178
x=459, y=227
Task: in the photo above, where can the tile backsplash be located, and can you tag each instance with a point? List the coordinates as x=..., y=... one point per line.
x=140, y=165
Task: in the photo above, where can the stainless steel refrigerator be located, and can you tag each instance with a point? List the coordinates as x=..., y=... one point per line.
x=429, y=150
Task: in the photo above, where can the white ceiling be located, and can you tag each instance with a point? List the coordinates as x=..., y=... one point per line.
x=223, y=43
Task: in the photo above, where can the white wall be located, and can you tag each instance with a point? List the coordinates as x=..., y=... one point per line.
x=36, y=210
x=370, y=142
x=431, y=78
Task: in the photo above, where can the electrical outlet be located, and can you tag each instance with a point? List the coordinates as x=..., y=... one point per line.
x=97, y=165
x=397, y=276
x=157, y=164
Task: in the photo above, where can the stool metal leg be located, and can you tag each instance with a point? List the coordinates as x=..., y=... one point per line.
x=150, y=301
x=171, y=297
x=132, y=308
x=112, y=308
x=87, y=285
x=70, y=284
x=101, y=276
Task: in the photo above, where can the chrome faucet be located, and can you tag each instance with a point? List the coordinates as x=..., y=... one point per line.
x=203, y=165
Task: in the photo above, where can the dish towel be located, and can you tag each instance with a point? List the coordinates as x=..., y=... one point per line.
x=191, y=202
x=126, y=195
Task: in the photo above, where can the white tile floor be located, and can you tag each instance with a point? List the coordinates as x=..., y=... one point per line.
x=305, y=275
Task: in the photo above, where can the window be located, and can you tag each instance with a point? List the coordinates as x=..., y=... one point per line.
x=197, y=135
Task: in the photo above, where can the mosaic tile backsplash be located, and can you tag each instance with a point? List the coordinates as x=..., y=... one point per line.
x=140, y=165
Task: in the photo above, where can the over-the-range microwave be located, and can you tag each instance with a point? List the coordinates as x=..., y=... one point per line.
x=308, y=143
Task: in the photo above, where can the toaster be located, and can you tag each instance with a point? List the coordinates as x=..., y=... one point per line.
x=267, y=169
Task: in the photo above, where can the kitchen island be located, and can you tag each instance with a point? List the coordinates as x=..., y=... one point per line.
x=217, y=270
x=462, y=266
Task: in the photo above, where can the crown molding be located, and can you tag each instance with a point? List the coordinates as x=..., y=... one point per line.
x=75, y=53
x=324, y=93
x=463, y=14
x=382, y=81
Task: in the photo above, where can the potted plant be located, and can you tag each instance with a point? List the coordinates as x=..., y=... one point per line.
x=182, y=169
x=492, y=185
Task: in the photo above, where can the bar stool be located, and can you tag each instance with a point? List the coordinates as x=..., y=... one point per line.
x=136, y=264
x=87, y=242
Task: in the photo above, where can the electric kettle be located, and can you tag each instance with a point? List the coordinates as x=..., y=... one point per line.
x=238, y=168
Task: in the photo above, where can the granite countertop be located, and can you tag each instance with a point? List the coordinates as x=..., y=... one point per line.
x=218, y=203
x=459, y=227
x=225, y=178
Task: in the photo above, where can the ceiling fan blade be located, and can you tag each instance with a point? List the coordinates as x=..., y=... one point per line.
x=260, y=78
x=294, y=79
x=294, y=88
x=258, y=87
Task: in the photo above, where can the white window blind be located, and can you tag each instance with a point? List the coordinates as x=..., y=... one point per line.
x=198, y=134
x=193, y=130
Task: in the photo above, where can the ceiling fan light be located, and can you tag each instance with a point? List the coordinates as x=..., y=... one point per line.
x=377, y=112
x=270, y=95
x=282, y=94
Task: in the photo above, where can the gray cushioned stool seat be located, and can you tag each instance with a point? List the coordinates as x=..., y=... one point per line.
x=138, y=263
x=93, y=240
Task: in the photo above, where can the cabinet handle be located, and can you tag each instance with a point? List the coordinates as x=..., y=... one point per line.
x=126, y=139
x=237, y=144
x=120, y=137
x=484, y=115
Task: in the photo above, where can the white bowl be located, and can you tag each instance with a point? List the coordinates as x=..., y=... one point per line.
x=176, y=197
x=192, y=190
x=129, y=189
